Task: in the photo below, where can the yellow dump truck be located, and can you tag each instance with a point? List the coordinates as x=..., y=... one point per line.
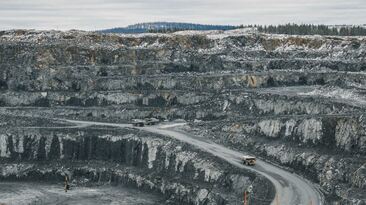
x=248, y=160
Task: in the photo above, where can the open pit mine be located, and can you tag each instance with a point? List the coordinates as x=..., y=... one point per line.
x=201, y=118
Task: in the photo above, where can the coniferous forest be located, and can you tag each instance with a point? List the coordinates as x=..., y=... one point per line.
x=290, y=29
x=309, y=29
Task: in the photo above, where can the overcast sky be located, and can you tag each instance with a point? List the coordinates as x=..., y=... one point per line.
x=97, y=14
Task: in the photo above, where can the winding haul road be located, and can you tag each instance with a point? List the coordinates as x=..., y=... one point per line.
x=291, y=189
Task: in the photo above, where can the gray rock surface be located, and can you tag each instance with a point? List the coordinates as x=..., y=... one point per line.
x=298, y=101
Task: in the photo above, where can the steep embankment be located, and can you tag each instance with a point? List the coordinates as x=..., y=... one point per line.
x=125, y=156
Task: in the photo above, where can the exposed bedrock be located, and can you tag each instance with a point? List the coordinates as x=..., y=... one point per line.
x=41, y=61
x=298, y=101
x=181, y=104
x=329, y=150
x=181, y=174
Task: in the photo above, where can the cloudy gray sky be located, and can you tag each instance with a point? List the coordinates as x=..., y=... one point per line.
x=97, y=14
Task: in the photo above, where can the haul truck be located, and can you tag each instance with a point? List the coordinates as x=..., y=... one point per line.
x=146, y=121
x=248, y=160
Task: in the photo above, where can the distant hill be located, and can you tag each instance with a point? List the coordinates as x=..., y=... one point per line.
x=166, y=27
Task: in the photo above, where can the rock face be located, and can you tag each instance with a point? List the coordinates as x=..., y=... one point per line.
x=312, y=146
x=181, y=174
x=295, y=100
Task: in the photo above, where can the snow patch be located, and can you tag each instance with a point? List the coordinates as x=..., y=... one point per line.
x=290, y=127
x=4, y=151
x=60, y=139
x=270, y=128
x=152, y=147
x=182, y=158
x=310, y=130
x=348, y=95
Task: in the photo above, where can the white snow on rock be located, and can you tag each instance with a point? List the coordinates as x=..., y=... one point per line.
x=290, y=127
x=212, y=174
x=48, y=143
x=270, y=128
x=181, y=159
x=14, y=169
x=152, y=147
x=310, y=130
x=60, y=139
x=344, y=95
x=4, y=152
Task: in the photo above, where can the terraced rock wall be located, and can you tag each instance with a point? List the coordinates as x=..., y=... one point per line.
x=296, y=100
x=179, y=173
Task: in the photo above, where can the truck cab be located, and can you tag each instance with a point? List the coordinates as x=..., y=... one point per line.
x=248, y=160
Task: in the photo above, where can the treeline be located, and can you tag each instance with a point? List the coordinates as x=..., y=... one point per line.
x=291, y=29
x=165, y=30
x=166, y=27
x=309, y=29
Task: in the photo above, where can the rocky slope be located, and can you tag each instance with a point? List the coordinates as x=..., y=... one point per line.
x=102, y=155
x=295, y=100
